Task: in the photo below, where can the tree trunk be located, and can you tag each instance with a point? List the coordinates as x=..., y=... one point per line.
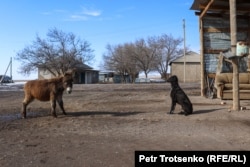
x=164, y=76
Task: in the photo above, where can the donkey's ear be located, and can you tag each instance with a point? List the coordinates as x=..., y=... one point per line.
x=67, y=74
x=70, y=72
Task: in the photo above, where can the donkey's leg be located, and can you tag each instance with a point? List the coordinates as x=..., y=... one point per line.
x=23, y=113
x=60, y=102
x=26, y=101
x=53, y=107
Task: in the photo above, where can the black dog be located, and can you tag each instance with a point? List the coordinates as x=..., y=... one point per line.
x=179, y=96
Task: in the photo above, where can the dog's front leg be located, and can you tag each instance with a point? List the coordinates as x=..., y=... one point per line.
x=172, y=107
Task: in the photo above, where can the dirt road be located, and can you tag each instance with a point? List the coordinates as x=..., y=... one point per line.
x=106, y=123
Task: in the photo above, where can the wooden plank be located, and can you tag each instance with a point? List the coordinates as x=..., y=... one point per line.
x=212, y=29
x=206, y=8
x=223, y=8
x=213, y=51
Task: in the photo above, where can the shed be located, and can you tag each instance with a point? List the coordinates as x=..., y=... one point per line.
x=192, y=66
x=215, y=32
x=84, y=74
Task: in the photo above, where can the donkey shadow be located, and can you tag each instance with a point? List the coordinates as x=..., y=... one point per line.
x=46, y=113
x=94, y=113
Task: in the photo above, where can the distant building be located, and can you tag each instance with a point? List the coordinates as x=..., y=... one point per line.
x=84, y=74
x=106, y=76
x=114, y=77
x=192, y=67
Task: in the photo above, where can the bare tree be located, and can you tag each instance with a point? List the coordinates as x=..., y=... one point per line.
x=115, y=60
x=169, y=49
x=119, y=58
x=131, y=63
x=152, y=54
x=58, y=53
x=145, y=55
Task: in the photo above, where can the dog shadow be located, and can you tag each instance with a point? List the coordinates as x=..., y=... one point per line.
x=205, y=111
x=95, y=113
x=197, y=112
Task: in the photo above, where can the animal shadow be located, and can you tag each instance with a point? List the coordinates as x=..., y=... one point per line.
x=94, y=113
x=205, y=111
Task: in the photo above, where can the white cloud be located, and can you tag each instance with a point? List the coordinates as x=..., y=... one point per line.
x=83, y=15
x=78, y=18
x=91, y=12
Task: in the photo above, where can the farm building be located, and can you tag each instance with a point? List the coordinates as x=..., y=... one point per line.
x=115, y=77
x=192, y=66
x=84, y=74
x=219, y=32
x=106, y=76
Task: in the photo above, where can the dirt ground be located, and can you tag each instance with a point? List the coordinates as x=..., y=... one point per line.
x=106, y=123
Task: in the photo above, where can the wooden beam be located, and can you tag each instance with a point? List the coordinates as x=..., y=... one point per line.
x=223, y=30
x=235, y=61
x=213, y=51
x=220, y=14
x=224, y=8
x=206, y=8
x=202, y=58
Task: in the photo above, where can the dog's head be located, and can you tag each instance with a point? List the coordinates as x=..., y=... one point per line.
x=172, y=79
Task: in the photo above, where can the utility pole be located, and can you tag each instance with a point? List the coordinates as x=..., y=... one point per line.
x=11, y=68
x=184, y=50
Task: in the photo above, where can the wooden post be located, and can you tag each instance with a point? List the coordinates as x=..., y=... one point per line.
x=233, y=30
x=202, y=47
x=184, y=50
x=202, y=58
x=248, y=57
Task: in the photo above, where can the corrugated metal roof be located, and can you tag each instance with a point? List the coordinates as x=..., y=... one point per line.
x=196, y=4
x=191, y=57
x=222, y=6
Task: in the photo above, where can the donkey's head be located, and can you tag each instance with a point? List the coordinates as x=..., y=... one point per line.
x=68, y=82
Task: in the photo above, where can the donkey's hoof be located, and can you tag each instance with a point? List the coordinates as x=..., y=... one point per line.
x=54, y=115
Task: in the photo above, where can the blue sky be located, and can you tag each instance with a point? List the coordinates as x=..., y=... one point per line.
x=100, y=22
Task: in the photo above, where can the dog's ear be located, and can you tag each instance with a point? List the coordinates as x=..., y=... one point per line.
x=175, y=78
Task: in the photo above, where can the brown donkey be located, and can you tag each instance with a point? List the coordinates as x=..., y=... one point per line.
x=47, y=90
